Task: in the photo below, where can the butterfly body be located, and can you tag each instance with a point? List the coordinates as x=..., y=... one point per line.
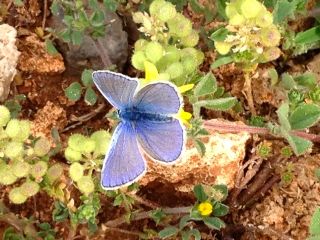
x=132, y=114
x=147, y=124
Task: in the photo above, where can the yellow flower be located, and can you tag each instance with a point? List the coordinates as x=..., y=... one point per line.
x=185, y=88
x=184, y=117
x=205, y=208
x=151, y=72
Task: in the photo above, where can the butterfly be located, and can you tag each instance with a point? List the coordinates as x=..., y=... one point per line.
x=147, y=125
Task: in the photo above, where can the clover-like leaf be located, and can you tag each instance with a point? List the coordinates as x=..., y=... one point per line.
x=314, y=227
x=214, y=223
x=168, y=232
x=90, y=96
x=199, y=193
x=304, y=116
x=73, y=92
x=220, y=104
x=207, y=85
x=86, y=77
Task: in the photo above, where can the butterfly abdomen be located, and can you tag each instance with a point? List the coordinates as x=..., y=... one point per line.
x=136, y=115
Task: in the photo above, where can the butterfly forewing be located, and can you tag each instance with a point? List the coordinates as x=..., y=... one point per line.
x=160, y=98
x=123, y=163
x=116, y=88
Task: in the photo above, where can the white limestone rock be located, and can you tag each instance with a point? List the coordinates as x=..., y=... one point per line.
x=9, y=55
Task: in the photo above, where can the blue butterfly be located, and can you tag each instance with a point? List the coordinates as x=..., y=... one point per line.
x=147, y=125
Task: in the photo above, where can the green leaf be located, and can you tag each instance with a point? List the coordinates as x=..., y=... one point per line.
x=206, y=85
x=157, y=215
x=65, y=35
x=314, y=227
x=283, y=10
x=54, y=8
x=220, y=34
x=76, y=37
x=97, y=18
x=195, y=215
x=273, y=75
x=221, y=6
x=93, y=4
x=307, y=79
x=195, y=233
x=317, y=237
x=50, y=47
x=18, y=3
x=196, y=7
x=111, y=5
x=73, y=92
x=220, y=209
x=223, y=189
x=214, y=223
x=90, y=96
x=184, y=221
x=283, y=112
x=191, y=234
x=220, y=104
x=168, y=232
x=312, y=35
x=199, y=193
x=201, y=148
x=270, y=3
x=299, y=145
x=118, y=200
x=287, y=81
x=221, y=61
x=304, y=116
x=86, y=77
x=68, y=20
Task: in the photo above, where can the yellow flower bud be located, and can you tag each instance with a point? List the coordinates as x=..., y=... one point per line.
x=205, y=208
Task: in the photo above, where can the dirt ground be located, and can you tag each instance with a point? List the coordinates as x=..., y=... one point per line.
x=282, y=212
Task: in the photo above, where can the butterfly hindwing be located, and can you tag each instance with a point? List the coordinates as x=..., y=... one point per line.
x=160, y=98
x=123, y=162
x=116, y=88
x=163, y=141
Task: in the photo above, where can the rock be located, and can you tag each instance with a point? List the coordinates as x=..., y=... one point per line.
x=8, y=58
x=35, y=58
x=115, y=43
x=49, y=117
x=219, y=165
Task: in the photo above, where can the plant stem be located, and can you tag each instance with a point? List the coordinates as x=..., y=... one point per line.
x=230, y=127
x=103, y=53
x=143, y=201
x=146, y=214
x=247, y=91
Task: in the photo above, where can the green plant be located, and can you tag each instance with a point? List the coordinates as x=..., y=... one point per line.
x=21, y=157
x=171, y=43
x=300, y=111
x=86, y=213
x=208, y=209
x=82, y=18
x=74, y=91
x=314, y=227
x=85, y=155
x=250, y=38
